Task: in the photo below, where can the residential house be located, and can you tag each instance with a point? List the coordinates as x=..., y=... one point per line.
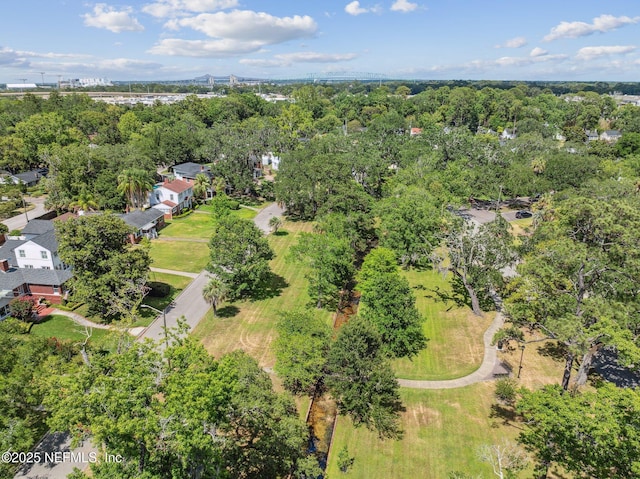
x=28, y=178
x=171, y=197
x=271, y=160
x=508, y=134
x=30, y=265
x=188, y=172
x=610, y=136
x=592, y=135
x=146, y=223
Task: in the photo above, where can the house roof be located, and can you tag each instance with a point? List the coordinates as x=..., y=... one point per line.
x=37, y=227
x=191, y=169
x=65, y=216
x=177, y=186
x=47, y=240
x=10, y=280
x=170, y=204
x=140, y=218
x=612, y=133
x=7, y=250
x=29, y=176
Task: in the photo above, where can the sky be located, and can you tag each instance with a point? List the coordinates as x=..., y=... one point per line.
x=586, y=40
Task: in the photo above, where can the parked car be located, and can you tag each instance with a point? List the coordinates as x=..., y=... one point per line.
x=523, y=214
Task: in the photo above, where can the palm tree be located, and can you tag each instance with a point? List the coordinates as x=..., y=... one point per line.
x=201, y=185
x=214, y=292
x=275, y=223
x=85, y=201
x=134, y=184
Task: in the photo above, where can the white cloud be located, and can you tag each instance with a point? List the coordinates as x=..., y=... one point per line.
x=404, y=6
x=516, y=42
x=537, y=52
x=601, y=24
x=203, y=48
x=354, y=8
x=249, y=26
x=288, y=59
x=589, y=53
x=171, y=8
x=105, y=16
x=12, y=58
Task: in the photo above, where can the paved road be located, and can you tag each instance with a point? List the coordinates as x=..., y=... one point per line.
x=262, y=219
x=483, y=373
x=189, y=304
x=18, y=222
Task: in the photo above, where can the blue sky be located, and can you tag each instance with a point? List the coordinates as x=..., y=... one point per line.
x=446, y=39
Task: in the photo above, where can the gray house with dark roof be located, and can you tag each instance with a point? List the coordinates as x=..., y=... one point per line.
x=29, y=178
x=146, y=222
x=188, y=171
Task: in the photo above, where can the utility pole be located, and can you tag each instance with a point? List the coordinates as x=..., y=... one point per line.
x=42, y=74
x=22, y=80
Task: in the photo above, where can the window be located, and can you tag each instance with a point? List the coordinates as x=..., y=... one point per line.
x=171, y=197
x=56, y=289
x=43, y=255
x=30, y=266
x=46, y=267
x=21, y=253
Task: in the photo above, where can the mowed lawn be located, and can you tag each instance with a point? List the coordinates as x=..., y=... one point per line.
x=443, y=430
x=250, y=325
x=179, y=255
x=61, y=327
x=455, y=346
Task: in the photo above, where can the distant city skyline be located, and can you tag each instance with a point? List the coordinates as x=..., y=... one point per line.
x=589, y=40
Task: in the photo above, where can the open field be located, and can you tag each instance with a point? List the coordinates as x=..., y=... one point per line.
x=179, y=255
x=195, y=226
x=250, y=325
x=455, y=346
x=442, y=431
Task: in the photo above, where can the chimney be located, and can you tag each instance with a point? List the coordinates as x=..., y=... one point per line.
x=4, y=265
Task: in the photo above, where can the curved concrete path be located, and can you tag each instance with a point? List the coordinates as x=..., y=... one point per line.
x=481, y=374
x=81, y=320
x=173, y=271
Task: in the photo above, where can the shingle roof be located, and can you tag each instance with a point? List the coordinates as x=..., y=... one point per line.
x=47, y=240
x=177, y=186
x=37, y=227
x=140, y=218
x=191, y=169
x=29, y=176
x=7, y=250
x=15, y=277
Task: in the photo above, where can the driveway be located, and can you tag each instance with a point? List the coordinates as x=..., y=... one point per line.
x=18, y=222
x=262, y=219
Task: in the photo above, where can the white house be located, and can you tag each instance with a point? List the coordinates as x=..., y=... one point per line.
x=171, y=197
x=271, y=160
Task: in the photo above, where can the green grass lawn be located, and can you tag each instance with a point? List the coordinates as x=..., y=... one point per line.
x=194, y=226
x=442, y=432
x=455, y=346
x=179, y=255
x=61, y=327
x=250, y=325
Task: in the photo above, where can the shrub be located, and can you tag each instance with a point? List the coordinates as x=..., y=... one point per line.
x=14, y=326
x=506, y=390
x=21, y=308
x=15, y=233
x=158, y=289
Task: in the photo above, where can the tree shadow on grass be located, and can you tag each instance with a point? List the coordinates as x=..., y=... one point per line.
x=228, y=311
x=270, y=288
x=506, y=414
x=553, y=350
x=455, y=296
x=281, y=233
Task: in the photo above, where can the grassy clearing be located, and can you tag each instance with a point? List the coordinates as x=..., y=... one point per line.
x=194, y=226
x=442, y=432
x=455, y=346
x=177, y=283
x=179, y=255
x=250, y=325
x=61, y=327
